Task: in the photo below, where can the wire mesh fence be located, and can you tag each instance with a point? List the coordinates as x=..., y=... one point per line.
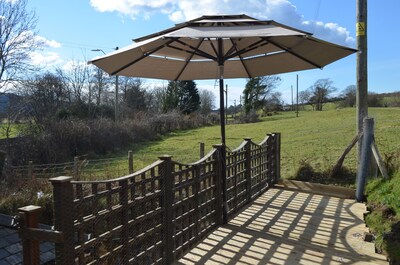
x=81, y=168
x=155, y=215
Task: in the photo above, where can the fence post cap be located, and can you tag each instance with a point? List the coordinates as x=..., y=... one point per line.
x=247, y=139
x=218, y=145
x=165, y=157
x=30, y=209
x=60, y=179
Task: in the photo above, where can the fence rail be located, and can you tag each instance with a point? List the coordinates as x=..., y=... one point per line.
x=155, y=215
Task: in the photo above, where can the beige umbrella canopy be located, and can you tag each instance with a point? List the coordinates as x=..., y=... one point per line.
x=218, y=47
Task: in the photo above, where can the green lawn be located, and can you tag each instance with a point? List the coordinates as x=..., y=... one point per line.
x=13, y=130
x=318, y=138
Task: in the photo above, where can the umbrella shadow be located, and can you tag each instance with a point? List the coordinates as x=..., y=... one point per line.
x=288, y=227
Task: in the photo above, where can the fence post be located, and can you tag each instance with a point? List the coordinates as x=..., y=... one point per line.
x=248, y=168
x=168, y=199
x=277, y=156
x=29, y=218
x=76, y=168
x=30, y=170
x=219, y=175
x=201, y=144
x=64, y=219
x=130, y=162
x=368, y=135
x=123, y=199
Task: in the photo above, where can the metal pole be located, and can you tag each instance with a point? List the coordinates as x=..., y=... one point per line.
x=362, y=69
x=292, y=99
x=116, y=98
x=226, y=104
x=116, y=95
x=297, y=95
x=364, y=158
x=222, y=116
x=222, y=109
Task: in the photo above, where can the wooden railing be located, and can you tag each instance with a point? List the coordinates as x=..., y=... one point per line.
x=155, y=215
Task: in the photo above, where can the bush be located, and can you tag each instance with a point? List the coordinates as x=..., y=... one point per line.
x=61, y=140
x=248, y=118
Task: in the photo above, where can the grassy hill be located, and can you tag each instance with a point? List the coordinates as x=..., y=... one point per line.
x=318, y=138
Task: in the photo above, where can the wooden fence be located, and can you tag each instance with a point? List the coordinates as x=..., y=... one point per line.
x=155, y=215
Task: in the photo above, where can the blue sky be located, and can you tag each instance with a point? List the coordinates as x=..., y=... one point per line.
x=73, y=28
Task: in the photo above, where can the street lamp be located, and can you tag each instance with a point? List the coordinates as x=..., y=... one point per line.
x=116, y=87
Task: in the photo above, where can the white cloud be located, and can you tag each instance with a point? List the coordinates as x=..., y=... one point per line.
x=45, y=59
x=48, y=43
x=282, y=11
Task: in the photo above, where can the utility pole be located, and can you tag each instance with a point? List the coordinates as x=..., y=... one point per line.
x=234, y=115
x=116, y=111
x=292, y=108
x=362, y=68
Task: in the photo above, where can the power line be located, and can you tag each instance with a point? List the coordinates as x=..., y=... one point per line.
x=316, y=15
x=83, y=46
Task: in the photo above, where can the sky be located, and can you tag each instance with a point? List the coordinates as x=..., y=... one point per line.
x=72, y=29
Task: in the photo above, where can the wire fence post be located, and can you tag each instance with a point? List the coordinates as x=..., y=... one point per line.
x=64, y=219
x=248, y=168
x=29, y=218
x=76, y=168
x=130, y=162
x=30, y=170
x=202, y=148
x=365, y=158
x=168, y=199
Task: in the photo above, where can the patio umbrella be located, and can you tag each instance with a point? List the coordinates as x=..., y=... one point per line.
x=218, y=47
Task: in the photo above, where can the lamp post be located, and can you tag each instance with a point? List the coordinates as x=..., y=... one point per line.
x=116, y=88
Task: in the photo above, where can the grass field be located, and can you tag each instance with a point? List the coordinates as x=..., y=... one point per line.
x=318, y=138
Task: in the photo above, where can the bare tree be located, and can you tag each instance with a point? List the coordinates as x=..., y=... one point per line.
x=77, y=78
x=18, y=39
x=349, y=96
x=207, y=101
x=99, y=83
x=304, y=98
x=158, y=97
x=45, y=96
x=320, y=93
x=135, y=97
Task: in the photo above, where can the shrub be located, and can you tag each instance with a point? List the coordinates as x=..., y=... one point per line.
x=248, y=118
x=61, y=140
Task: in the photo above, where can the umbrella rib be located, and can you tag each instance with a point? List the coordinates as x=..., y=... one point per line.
x=241, y=59
x=249, y=48
x=213, y=47
x=189, y=59
x=194, y=49
x=295, y=54
x=141, y=57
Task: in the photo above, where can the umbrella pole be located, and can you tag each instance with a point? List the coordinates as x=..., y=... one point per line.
x=222, y=119
x=223, y=154
x=222, y=110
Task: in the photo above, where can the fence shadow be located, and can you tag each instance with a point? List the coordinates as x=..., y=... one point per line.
x=289, y=227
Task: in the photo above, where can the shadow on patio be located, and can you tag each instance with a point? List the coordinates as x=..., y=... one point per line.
x=290, y=227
